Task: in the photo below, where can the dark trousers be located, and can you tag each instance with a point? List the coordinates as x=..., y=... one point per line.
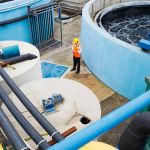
x=76, y=63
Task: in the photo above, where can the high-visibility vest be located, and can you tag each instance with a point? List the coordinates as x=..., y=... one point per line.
x=76, y=51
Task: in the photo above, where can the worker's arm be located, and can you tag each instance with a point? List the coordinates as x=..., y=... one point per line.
x=80, y=49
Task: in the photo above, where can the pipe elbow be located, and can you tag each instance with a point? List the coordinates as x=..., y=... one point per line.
x=136, y=133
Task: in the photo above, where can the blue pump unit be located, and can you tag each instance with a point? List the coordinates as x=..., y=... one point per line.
x=49, y=104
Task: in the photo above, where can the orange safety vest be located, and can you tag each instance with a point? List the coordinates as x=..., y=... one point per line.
x=76, y=51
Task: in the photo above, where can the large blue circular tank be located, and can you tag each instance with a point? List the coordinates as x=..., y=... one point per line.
x=120, y=65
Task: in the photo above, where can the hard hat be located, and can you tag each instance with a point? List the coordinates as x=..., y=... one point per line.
x=75, y=40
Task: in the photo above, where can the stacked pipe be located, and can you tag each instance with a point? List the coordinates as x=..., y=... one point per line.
x=11, y=132
x=37, y=138
x=32, y=109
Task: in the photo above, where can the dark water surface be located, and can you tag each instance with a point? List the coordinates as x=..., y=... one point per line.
x=129, y=28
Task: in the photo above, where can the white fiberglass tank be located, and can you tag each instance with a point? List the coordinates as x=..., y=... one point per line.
x=25, y=71
x=79, y=108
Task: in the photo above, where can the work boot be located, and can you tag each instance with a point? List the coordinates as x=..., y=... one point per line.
x=77, y=72
x=72, y=69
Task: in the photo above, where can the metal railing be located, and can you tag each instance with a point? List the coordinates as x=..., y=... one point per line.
x=104, y=124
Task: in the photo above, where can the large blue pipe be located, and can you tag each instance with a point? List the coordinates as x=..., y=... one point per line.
x=103, y=125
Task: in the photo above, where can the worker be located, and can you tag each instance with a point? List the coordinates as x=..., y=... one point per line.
x=76, y=48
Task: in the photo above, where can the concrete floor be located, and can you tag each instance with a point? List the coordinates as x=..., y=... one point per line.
x=109, y=100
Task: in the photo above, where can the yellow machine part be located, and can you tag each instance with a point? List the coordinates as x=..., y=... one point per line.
x=97, y=146
x=1, y=147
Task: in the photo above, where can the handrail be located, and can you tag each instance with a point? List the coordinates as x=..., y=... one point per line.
x=104, y=124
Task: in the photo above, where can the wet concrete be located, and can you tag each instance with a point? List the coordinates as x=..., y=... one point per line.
x=109, y=100
x=108, y=105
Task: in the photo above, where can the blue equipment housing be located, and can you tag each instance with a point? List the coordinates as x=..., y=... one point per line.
x=144, y=44
x=10, y=52
x=49, y=104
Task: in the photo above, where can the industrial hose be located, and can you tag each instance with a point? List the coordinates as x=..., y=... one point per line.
x=136, y=134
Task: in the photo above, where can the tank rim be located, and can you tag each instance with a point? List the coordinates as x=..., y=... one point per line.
x=114, y=7
x=10, y=5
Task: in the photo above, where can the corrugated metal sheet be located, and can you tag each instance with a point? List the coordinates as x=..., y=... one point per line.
x=42, y=25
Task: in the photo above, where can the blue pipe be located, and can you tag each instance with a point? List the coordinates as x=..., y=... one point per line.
x=104, y=124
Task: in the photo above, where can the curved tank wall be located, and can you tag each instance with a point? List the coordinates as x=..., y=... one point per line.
x=18, y=30
x=121, y=66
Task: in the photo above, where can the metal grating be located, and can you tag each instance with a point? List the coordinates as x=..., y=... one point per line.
x=42, y=25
